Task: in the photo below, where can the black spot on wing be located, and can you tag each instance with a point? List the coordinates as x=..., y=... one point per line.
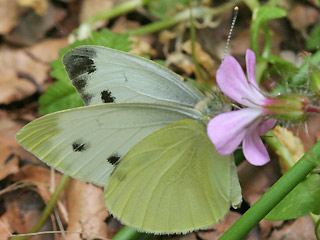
x=79, y=146
x=107, y=97
x=79, y=61
x=114, y=159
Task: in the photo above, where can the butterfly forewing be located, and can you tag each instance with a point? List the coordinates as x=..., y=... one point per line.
x=87, y=142
x=104, y=75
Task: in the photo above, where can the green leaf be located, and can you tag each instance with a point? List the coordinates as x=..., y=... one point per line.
x=313, y=42
x=65, y=96
x=61, y=95
x=282, y=70
x=299, y=77
x=302, y=200
x=166, y=8
x=259, y=17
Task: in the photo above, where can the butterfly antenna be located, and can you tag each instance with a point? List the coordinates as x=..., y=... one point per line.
x=236, y=9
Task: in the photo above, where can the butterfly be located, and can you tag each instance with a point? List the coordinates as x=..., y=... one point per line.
x=141, y=136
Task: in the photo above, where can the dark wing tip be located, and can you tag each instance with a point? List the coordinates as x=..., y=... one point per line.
x=80, y=61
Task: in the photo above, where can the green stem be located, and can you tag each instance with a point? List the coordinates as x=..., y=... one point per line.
x=116, y=11
x=47, y=211
x=197, y=12
x=127, y=233
x=169, y=22
x=193, y=51
x=268, y=41
x=272, y=197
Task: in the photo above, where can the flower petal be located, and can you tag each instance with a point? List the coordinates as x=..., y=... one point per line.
x=266, y=126
x=251, y=65
x=253, y=148
x=227, y=130
x=234, y=84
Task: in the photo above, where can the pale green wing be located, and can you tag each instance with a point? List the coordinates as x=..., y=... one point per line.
x=87, y=142
x=104, y=75
x=173, y=181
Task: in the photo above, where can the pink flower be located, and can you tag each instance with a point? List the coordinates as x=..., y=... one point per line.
x=247, y=125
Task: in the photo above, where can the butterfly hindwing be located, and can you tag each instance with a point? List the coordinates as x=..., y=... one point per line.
x=173, y=181
x=104, y=75
x=87, y=142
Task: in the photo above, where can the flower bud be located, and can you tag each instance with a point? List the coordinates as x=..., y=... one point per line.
x=287, y=107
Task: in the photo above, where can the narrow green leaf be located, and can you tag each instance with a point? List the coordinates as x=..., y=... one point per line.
x=259, y=17
x=302, y=200
x=313, y=42
x=166, y=8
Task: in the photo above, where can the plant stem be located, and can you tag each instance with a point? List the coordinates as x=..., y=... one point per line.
x=48, y=209
x=197, y=12
x=193, y=51
x=169, y=22
x=115, y=11
x=127, y=233
x=312, y=109
x=275, y=194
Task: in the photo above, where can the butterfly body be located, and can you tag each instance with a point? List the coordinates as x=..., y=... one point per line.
x=142, y=136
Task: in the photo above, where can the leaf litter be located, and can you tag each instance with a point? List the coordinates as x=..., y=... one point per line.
x=26, y=183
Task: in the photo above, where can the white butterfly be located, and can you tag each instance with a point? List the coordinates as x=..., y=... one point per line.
x=130, y=98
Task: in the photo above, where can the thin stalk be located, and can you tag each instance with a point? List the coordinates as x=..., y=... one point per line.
x=48, y=209
x=274, y=195
x=197, y=12
x=268, y=41
x=115, y=11
x=85, y=28
x=193, y=51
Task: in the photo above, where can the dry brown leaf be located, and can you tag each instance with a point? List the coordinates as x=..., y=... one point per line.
x=5, y=228
x=255, y=181
x=87, y=211
x=181, y=61
x=39, y=176
x=166, y=36
x=203, y=58
x=302, y=16
x=39, y=6
x=122, y=25
x=216, y=231
x=8, y=160
x=23, y=209
x=141, y=46
x=292, y=143
x=310, y=132
x=33, y=27
x=33, y=61
x=91, y=7
x=240, y=42
x=8, y=16
x=298, y=229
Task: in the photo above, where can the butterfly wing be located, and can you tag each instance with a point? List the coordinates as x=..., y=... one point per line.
x=104, y=75
x=173, y=181
x=87, y=142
